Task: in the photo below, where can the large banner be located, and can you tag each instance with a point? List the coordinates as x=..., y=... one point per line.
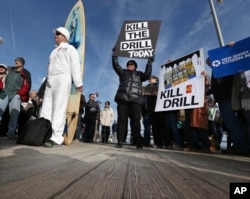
x=229, y=60
x=181, y=85
x=137, y=39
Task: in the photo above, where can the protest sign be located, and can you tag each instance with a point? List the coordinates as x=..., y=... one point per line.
x=137, y=39
x=181, y=84
x=228, y=60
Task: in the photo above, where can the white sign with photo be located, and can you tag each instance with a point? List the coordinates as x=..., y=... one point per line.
x=181, y=84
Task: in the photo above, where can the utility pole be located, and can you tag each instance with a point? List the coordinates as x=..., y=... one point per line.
x=216, y=22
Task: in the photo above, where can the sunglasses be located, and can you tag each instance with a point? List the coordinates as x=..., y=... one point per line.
x=58, y=33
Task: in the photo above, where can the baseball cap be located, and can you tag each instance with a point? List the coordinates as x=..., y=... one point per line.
x=62, y=30
x=3, y=65
x=20, y=59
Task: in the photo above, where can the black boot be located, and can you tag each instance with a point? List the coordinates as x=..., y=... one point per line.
x=118, y=145
x=139, y=146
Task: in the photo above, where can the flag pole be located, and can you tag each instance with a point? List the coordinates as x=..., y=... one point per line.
x=216, y=22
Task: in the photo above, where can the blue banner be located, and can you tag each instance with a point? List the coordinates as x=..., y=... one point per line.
x=230, y=60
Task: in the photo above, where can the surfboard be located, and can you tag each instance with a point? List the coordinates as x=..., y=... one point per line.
x=75, y=23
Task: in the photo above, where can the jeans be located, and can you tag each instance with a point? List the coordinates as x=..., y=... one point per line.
x=105, y=134
x=216, y=130
x=14, y=110
x=79, y=127
x=147, y=125
x=114, y=137
x=188, y=133
x=231, y=121
x=246, y=124
x=171, y=123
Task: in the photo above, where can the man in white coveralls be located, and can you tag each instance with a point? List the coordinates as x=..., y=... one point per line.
x=64, y=67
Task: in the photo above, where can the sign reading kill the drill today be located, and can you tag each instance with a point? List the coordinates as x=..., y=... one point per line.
x=137, y=39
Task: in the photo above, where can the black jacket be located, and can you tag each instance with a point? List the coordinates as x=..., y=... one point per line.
x=221, y=88
x=91, y=110
x=150, y=101
x=130, y=87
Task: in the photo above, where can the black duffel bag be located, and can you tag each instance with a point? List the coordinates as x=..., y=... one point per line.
x=35, y=132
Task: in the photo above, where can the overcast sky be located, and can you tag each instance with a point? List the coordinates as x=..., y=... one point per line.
x=187, y=25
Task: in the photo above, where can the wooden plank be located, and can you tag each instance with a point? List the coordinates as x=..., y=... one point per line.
x=40, y=177
x=101, y=171
x=105, y=181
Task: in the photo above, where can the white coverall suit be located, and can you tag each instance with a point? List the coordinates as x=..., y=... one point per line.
x=64, y=66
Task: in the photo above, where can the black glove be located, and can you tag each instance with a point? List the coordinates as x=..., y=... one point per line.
x=151, y=59
x=113, y=49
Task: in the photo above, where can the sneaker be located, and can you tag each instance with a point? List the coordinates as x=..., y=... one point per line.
x=118, y=145
x=177, y=147
x=189, y=149
x=139, y=146
x=147, y=145
x=51, y=144
x=206, y=151
x=76, y=141
x=11, y=137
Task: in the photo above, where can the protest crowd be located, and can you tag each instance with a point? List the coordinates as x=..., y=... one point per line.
x=225, y=110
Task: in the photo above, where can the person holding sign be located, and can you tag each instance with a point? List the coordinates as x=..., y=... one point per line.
x=221, y=89
x=129, y=98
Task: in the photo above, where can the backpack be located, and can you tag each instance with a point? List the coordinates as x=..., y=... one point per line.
x=35, y=132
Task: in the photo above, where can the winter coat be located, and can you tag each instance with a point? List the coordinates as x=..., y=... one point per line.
x=150, y=101
x=130, y=86
x=221, y=88
x=91, y=110
x=2, y=85
x=18, y=83
x=107, y=116
x=241, y=93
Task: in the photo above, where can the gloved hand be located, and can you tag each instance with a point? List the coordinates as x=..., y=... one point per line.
x=113, y=49
x=151, y=59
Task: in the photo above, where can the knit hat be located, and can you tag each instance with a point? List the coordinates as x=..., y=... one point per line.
x=20, y=59
x=133, y=62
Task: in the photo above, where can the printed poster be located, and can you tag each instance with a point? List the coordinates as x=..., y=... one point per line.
x=181, y=85
x=228, y=60
x=138, y=39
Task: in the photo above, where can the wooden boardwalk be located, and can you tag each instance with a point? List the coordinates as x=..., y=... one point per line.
x=101, y=171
